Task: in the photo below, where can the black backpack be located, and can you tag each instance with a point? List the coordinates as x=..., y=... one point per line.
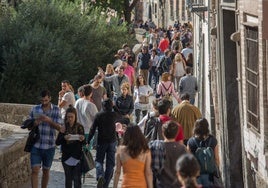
x=162, y=65
x=153, y=129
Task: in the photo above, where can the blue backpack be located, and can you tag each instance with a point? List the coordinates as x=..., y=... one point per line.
x=205, y=157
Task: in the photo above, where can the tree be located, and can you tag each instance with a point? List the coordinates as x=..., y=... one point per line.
x=43, y=43
x=123, y=7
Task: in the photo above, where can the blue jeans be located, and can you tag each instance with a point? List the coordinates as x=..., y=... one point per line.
x=152, y=77
x=109, y=150
x=72, y=174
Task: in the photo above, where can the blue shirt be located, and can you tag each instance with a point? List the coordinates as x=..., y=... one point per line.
x=47, y=132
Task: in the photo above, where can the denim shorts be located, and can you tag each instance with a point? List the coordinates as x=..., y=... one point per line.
x=42, y=156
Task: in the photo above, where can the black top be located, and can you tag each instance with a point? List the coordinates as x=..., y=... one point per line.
x=124, y=105
x=205, y=143
x=71, y=148
x=105, y=123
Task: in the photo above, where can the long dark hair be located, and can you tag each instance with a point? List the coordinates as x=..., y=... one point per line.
x=201, y=130
x=188, y=168
x=135, y=141
x=138, y=83
x=70, y=109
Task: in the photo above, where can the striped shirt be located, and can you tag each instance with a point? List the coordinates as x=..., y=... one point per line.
x=47, y=133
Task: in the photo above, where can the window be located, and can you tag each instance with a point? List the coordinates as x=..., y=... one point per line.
x=252, y=77
x=177, y=10
x=171, y=9
x=155, y=10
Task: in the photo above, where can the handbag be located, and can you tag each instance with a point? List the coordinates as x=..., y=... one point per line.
x=87, y=161
x=143, y=99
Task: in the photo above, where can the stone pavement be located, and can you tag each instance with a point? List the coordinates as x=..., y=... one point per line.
x=57, y=175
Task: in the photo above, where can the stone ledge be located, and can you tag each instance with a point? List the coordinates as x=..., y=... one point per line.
x=14, y=113
x=14, y=162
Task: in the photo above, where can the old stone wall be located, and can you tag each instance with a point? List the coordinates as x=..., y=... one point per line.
x=14, y=162
x=14, y=113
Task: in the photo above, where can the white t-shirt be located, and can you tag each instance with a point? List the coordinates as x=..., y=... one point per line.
x=86, y=112
x=70, y=100
x=142, y=90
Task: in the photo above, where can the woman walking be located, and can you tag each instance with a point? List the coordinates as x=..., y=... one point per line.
x=135, y=158
x=71, y=142
x=142, y=91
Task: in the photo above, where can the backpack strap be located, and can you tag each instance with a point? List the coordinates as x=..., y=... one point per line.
x=209, y=142
x=196, y=144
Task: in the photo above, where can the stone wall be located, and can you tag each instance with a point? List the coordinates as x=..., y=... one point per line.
x=14, y=113
x=14, y=162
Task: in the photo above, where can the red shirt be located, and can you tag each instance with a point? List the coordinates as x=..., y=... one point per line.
x=180, y=136
x=163, y=45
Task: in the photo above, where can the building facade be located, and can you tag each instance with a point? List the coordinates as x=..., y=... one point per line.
x=165, y=12
x=231, y=55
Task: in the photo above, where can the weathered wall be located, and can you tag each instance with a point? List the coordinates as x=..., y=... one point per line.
x=14, y=162
x=14, y=113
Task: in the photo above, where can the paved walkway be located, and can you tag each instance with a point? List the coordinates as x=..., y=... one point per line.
x=57, y=175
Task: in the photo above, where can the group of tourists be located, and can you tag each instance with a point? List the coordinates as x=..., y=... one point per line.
x=133, y=92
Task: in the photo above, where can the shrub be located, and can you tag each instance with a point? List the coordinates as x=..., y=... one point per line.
x=43, y=43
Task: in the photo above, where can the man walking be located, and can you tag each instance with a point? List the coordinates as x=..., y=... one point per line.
x=48, y=119
x=164, y=156
x=188, y=84
x=86, y=110
x=186, y=114
x=106, y=145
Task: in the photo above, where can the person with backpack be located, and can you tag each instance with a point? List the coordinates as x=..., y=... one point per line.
x=164, y=109
x=165, y=88
x=164, y=63
x=206, y=150
x=164, y=156
x=152, y=114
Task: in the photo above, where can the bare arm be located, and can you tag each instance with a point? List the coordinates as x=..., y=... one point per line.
x=148, y=171
x=117, y=171
x=216, y=154
x=61, y=103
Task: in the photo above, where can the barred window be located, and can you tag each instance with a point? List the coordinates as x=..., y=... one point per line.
x=252, y=77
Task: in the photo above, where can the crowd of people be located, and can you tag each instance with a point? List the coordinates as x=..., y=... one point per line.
x=122, y=95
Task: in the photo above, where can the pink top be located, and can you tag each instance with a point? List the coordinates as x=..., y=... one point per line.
x=130, y=72
x=167, y=87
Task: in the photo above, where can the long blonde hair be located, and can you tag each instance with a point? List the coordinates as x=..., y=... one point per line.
x=178, y=57
x=109, y=67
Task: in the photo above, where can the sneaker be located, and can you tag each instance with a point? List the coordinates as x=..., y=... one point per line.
x=100, y=182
